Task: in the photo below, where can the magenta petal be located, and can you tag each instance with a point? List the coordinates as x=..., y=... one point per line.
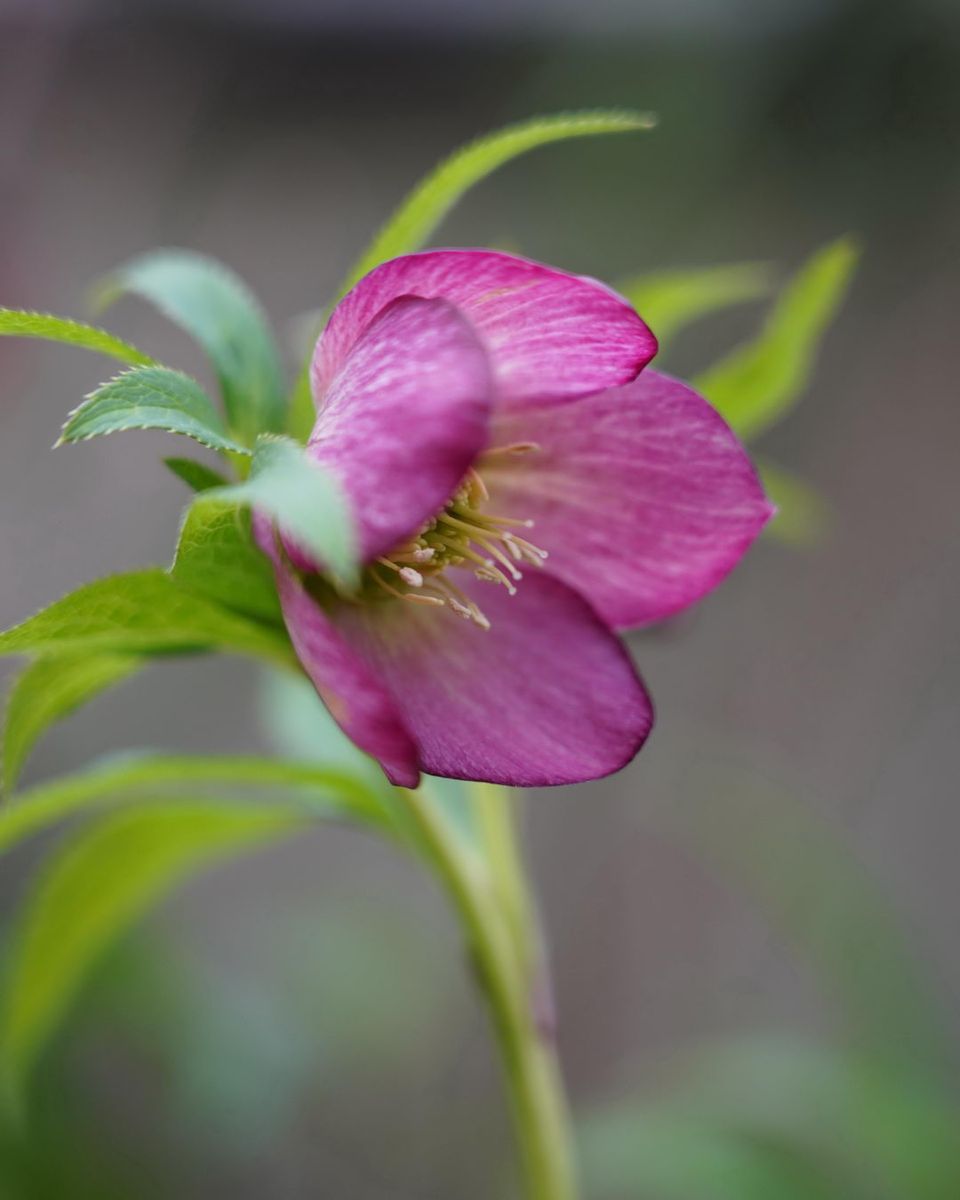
x=642, y=495
x=549, y=334
x=357, y=700
x=546, y=696
x=404, y=417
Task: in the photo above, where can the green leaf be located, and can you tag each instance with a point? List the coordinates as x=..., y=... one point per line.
x=758, y=383
x=802, y=514
x=142, y=612
x=15, y=322
x=430, y=201
x=216, y=558
x=645, y=1153
x=92, y=890
x=196, y=475
x=327, y=792
x=150, y=398
x=217, y=308
x=670, y=300
x=48, y=690
x=303, y=498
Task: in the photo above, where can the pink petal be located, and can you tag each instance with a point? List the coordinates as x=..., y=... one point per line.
x=357, y=700
x=549, y=334
x=546, y=696
x=642, y=496
x=405, y=416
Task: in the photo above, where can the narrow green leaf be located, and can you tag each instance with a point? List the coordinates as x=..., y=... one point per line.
x=419, y=214
x=15, y=322
x=304, y=499
x=97, y=886
x=216, y=558
x=757, y=384
x=48, y=690
x=142, y=612
x=327, y=792
x=150, y=398
x=196, y=475
x=217, y=308
x=670, y=300
x=803, y=516
x=430, y=201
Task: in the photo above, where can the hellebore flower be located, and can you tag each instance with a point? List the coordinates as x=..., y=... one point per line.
x=521, y=491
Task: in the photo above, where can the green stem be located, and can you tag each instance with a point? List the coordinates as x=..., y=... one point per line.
x=491, y=899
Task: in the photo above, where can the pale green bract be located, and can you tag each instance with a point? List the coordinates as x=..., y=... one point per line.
x=50, y=689
x=215, y=306
x=150, y=398
x=15, y=322
x=670, y=300
x=756, y=385
x=306, y=501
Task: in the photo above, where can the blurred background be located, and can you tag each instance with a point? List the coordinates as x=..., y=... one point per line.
x=782, y=856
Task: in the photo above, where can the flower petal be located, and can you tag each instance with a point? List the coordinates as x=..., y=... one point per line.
x=357, y=700
x=405, y=416
x=546, y=696
x=549, y=334
x=641, y=495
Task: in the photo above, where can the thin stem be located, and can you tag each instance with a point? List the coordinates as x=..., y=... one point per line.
x=506, y=964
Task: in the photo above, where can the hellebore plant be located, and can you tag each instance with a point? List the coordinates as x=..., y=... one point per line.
x=476, y=484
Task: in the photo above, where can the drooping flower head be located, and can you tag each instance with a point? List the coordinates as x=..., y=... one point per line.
x=522, y=489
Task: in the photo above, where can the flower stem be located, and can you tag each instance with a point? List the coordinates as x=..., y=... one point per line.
x=490, y=894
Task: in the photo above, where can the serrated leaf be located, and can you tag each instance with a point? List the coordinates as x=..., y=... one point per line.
x=98, y=885
x=141, y=612
x=50, y=689
x=217, y=308
x=150, y=398
x=803, y=516
x=196, y=475
x=757, y=384
x=327, y=792
x=430, y=201
x=306, y=501
x=670, y=300
x=15, y=322
x=216, y=558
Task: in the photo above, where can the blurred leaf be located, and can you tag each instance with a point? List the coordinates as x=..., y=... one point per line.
x=216, y=558
x=328, y=792
x=15, y=322
x=757, y=384
x=425, y=207
x=217, y=308
x=48, y=690
x=670, y=300
x=878, y=1132
x=150, y=398
x=196, y=475
x=304, y=499
x=806, y=880
x=803, y=516
x=95, y=888
x=143, y=612
x=638, y=1152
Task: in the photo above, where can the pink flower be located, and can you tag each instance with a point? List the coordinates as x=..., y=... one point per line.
x=521, y=492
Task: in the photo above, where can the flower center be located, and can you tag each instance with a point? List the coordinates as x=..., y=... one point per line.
x=464, y=536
